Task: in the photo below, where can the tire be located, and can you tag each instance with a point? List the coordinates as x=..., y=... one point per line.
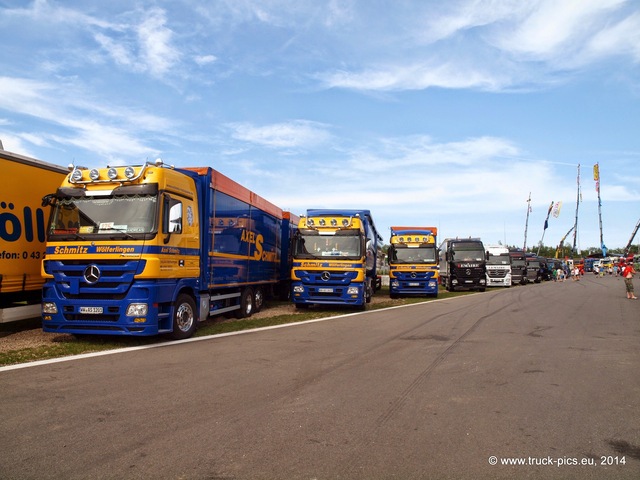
x=185, y=318
x=258, y=299
x=246, y=303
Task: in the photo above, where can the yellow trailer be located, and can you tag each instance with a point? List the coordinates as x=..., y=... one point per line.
x=23, y=183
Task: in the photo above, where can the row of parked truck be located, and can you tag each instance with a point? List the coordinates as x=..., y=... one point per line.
x=152, y=249
x=417, y=266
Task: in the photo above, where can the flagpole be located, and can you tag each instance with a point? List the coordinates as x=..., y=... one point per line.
x=546, y=225
x=526, y=225
x=575, y=225
x=596, y=177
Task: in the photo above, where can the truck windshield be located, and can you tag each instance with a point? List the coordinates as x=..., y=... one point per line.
x=126, y=216
x=517, y=262
x=344, y=244
x=468, y=253
x=502, y=259
x=414, y=255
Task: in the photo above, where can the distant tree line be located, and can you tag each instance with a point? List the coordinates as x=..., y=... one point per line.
x=567, y=251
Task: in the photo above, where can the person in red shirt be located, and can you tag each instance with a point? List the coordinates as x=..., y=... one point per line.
x=627, y=273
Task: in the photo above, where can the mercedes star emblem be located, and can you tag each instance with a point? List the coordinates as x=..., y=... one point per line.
x=92, y=274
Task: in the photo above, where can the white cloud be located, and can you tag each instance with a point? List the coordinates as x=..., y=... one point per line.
x=104, y=129
x=419, y=151
x=121, y=55
x=107, y=141
x=554, y=27
x=16, y=144
x=294, y=134
x=417, y=77
x=45, y=12
x=205, y=59
x=156, y=49
x=620, y=38
x=491, y=45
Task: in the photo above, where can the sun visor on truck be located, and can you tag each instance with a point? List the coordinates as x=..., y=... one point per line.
x=70, y=192
x=146, y=189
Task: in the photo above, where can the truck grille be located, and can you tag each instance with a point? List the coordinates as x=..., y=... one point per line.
x=107, y=279
x=500, y=273
x=327, y=277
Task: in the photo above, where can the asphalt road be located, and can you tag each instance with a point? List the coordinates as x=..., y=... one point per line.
x=546, y=375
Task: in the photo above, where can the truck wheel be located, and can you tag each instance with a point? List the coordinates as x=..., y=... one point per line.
x=246, y=303
x=258, y=299
x=184, y=317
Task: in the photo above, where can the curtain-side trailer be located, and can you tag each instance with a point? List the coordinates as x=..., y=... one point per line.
x=23, y=183
x=150, y=249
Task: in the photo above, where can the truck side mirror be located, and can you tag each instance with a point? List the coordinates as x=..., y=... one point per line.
x=49, y=199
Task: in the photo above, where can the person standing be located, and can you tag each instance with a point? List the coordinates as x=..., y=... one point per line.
x=627, y=273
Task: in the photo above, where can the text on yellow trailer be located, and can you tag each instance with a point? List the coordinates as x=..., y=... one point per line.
x=23, y=183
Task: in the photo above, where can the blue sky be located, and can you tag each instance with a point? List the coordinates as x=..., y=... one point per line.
x=425, y=112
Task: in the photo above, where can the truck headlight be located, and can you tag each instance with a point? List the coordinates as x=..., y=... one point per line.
x=298, y=289
x=432, y=283
x=395, y=283
x=483, y=281
x=49, y=308
x=352, y=291
x=137, y=310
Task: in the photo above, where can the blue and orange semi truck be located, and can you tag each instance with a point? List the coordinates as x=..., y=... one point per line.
x=336, y=254
x=413, y=261
x=152, y=249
